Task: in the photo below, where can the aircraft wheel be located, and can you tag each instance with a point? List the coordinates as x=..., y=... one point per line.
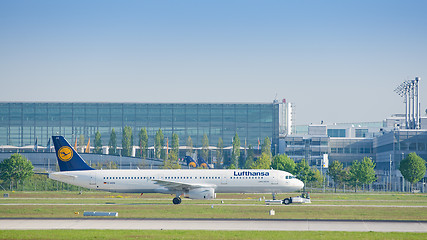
x=287, y=201
x=176, y=200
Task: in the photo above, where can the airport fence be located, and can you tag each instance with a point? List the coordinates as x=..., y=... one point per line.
x=39, y=182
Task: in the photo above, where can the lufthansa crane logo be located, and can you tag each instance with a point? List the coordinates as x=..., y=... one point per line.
x=65, y=153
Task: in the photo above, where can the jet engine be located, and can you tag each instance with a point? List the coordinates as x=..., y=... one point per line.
x=202, y=193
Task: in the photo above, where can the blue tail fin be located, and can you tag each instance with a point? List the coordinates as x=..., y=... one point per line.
x=203, y=163
x=191, y=162
x=68, y=158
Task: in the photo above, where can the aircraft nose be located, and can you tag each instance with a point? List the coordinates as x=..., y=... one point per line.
x=299, y=184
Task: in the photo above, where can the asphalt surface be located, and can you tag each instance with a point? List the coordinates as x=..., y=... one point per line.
x=217, y=224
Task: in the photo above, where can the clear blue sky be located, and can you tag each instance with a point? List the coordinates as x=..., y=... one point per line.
x=338, y=61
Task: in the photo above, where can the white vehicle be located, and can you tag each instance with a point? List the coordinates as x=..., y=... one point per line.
x=195, y=184
x=304, y=198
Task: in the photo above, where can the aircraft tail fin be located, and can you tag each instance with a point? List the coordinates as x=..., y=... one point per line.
x=191, y=162
x=203, y=163
x=68, y=158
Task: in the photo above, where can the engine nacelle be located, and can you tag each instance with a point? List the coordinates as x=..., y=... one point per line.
x=202, y=193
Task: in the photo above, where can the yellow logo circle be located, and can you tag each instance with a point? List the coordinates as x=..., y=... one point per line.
x=65, y=154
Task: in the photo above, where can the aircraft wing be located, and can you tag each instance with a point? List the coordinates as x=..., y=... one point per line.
x=179, y=186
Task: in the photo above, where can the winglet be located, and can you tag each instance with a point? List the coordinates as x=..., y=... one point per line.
x=68, y=158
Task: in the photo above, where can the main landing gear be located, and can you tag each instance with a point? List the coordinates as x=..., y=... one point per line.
x=176, y=200
x=287, y=201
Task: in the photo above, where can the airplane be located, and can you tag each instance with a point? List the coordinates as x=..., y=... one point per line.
x=194, y=184
x=190, y=162
x=203, y=163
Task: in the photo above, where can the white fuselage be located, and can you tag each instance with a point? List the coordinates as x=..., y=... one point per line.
x=147, y=181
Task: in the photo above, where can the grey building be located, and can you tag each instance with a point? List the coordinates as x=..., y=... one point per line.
x=391, y=148
x=384, y=142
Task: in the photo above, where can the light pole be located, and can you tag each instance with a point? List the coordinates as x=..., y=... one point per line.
x=390, y=173
x=403, y=179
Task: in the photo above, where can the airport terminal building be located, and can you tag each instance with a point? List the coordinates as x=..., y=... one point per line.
x=21, y=123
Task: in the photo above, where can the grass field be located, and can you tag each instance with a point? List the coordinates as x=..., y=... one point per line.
x=360, y=206
x=246, y=235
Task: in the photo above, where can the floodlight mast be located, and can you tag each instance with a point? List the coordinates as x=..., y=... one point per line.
x=409, y=90
x=417, y=103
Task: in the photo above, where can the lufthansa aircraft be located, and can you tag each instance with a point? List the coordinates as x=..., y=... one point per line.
x=195, y=184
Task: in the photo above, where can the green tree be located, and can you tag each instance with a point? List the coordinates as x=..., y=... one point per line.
x=143, y=143
x=317, y=178
x=97, y=165
x=159, y=143
x=112, y=165
x=361, y=173
x=220, y=151
x=15, y=169
x=81, y=141
x=266, y=147
x=283, y=162
x=367, y=171
x=263, y=162
x=113, y=143
x=354, y=174
x=127, y=141
x=172, y=161
x=232, y=166
x=175, y=144
x=205, y=147
x=189, y=146
x=98, y=143
x=337, y=173
x=250, y=157
x=304, y=172
x=235, y=155
x=413, y=168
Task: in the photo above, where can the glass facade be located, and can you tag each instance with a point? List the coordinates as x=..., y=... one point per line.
x=397, y=144
x=21, y=123
x=336, y=133
x=391, y=148
x=346, y=150
x=310, y=148
x=361, y=133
